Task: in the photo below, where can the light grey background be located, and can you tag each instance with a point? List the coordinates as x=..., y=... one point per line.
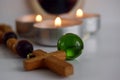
x=100, y=59
x=108, y=9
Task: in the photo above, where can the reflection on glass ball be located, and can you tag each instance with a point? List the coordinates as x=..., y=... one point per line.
x=71, y=44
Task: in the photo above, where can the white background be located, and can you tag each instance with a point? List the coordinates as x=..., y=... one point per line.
x=100, y=59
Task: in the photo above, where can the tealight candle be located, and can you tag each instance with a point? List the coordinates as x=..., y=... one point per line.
x=49, y=31
x=24, y=24
x=91, y=22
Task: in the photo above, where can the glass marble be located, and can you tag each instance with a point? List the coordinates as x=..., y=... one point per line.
x=71, y=44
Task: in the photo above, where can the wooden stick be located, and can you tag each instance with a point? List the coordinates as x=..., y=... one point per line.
x=59, y=54
x=5, y=28
x=1, y=34
x=58, y=66
x=36, y=62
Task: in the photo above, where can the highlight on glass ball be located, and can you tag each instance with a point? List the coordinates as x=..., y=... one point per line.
x=71, y=44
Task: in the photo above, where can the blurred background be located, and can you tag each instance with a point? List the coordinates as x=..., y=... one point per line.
x=108, y=9
x=101, y=56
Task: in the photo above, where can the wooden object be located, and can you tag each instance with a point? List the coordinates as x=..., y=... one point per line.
x=1, y=34
x=36, y=62
x=11, y=44
x=53, y=61
x=58, y=66
x=5, y=28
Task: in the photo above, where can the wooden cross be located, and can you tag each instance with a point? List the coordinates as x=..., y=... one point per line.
x=54, y=61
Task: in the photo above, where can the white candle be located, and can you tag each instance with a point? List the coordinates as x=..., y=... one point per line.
x=49, y=31
x=91, y=22
x=24, y=25
x=57, y=23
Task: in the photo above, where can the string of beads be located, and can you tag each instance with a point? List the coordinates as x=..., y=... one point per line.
x=9, y=38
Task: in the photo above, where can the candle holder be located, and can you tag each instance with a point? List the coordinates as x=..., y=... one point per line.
x=24, y=25
x=45, y=34
x=91, y=22
x=49, y=35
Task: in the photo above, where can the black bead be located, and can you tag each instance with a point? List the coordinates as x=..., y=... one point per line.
x=23, y=48
x=7, y=36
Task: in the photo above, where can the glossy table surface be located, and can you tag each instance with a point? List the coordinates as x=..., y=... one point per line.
x=100, y=60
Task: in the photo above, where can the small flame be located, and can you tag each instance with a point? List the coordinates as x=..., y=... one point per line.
x=79, y=13
x=38, y=18
x=58, y=22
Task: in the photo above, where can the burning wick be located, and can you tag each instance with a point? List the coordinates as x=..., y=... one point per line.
x=58, y=22
x=79, y=13
x=38, y=18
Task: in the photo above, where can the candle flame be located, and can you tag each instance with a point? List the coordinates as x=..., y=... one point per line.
x=58, y=22
x=38, y=18
x=79, y=13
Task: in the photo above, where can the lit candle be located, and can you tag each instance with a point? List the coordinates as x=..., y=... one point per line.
x=38, y=18
x=49, y=31
x=24, y=25
x=58, y=22
x=79, y=13
x=91, y=22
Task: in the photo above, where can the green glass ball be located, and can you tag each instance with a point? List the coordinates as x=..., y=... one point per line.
x=71, y=44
